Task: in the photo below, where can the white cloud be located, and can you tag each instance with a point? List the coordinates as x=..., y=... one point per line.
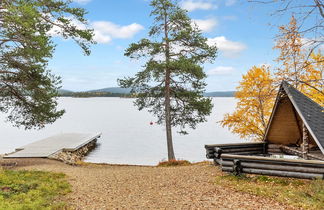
x=101, y=38
x=229, y=48
x=192, y=5
x=230, y=2
x=116, y=31
x=221, y=70
x=82, y=1
x=206, y=25
x=56, y=31
x=105, y=31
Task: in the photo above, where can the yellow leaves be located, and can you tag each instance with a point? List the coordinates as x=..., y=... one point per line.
x=292, y=55
x=256, y=94
x=313, y=85
x=303, y=72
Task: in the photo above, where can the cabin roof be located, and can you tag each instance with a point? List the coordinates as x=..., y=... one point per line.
x=311, y=113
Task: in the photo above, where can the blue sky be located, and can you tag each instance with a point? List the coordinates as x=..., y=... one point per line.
x=241, y=30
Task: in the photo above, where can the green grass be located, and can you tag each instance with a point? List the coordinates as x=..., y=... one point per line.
x=307, y=194
x=171, y=163
x=32, y=190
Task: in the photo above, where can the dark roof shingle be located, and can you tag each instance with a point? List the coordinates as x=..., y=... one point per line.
x=311, y=113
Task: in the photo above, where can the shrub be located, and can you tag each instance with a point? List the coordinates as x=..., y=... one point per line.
x=174, y=163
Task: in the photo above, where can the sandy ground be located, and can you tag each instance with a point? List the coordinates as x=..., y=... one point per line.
x=139, y=187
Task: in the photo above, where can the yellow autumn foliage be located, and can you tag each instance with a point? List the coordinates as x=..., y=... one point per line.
x=299, y=67
x=313, y=85
x=257, y=90
x=291, y=56
x=255, y=95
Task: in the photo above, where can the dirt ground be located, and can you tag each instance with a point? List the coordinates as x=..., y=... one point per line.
x=141, y=187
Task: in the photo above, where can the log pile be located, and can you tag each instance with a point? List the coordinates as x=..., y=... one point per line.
x=253, y=158
x=216, y=150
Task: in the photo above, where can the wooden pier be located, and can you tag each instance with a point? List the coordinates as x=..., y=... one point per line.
x=45, y=148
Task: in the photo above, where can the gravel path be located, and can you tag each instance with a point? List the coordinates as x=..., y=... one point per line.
x=139, y=187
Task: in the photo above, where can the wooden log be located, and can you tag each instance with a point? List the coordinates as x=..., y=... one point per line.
x=226, y=163
x=296, y=152
x=255, y=152
x=217, y=161
x=242, y=149
x=312, y=163
x=274, y=146
x=210, y=152
x=227, y=169
x=218, y=150
x=274, y=150
x=210, y=156
x=276, y=153
x=236, y=144
x=241, y=146
x=283, y=173
x=282, y=168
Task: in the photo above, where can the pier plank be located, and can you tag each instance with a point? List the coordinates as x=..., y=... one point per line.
x=46, y=147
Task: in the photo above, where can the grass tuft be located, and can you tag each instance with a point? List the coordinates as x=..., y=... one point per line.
x=306, y=194
x=32, y=189
x=171, y=163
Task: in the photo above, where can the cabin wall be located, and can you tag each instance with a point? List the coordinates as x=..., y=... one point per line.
x=284, y=128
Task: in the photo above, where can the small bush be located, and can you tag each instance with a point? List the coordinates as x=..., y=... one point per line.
x=174, y=163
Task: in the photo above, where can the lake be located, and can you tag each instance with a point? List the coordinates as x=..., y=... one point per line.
x=127, y=134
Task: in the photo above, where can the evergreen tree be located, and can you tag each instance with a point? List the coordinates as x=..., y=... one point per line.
x=27, y=88
x=171, y=85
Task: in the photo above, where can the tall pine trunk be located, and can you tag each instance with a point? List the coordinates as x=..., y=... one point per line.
x=171, y=155
x=168, y=127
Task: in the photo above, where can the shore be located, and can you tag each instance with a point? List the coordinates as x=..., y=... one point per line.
x=99, y=186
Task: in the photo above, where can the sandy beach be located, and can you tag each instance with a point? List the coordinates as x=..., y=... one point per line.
x=142, y=187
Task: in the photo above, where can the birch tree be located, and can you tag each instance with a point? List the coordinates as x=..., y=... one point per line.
x=255, y=94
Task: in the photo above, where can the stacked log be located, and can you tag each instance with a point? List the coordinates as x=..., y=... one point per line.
x=252, y=158
x=305, y=169
x=216, y=150
x=274, y=149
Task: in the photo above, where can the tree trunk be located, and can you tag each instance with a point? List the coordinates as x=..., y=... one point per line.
x=305, y=145
x=168, y=128
x=167, y=96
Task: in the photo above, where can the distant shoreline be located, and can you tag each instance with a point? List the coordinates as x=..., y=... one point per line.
x=126, y=92
x=129, y=95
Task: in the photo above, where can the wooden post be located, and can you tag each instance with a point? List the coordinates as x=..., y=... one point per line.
x=305, y=145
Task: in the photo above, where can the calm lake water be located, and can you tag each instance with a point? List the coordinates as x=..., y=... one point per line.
x=127, y=136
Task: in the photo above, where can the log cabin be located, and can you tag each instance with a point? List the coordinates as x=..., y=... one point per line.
x=295, y=128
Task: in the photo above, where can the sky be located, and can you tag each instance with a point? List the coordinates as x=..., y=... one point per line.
x=241, y=31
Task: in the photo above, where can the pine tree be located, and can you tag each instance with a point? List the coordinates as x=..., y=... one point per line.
x=28, y=90
x=171, y=85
